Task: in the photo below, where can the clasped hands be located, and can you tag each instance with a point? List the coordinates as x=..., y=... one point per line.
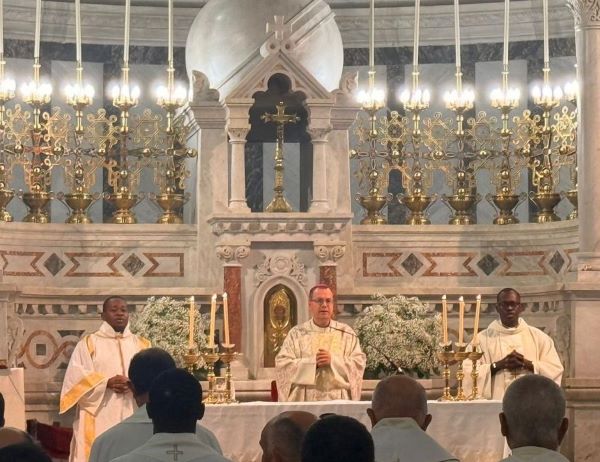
x=323, y=358
x=514, y=361
x=119, y=384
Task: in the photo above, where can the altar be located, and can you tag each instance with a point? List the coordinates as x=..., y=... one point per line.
x=469, y=430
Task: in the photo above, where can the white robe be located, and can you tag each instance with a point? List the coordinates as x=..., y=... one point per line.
x=173, y=447
x=298, y=378
x=498, y=341
x=400, y=439
x=132, y=433
x=535, y=454
x=96, y=358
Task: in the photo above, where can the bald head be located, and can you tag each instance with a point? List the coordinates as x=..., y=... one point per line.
x=10, y=436
x=533, y=413
x=281, y=439
x=399, y=396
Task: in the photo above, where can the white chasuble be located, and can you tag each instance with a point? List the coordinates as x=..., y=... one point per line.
x=96, y=358
x=299, y=379
x=498, y=341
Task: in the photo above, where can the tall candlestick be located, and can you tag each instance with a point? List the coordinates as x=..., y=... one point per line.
x=461, y=318
x=213, y=314
x=192, y=322
x=226, y=317
x=126, y=40
x=444, y=319
x=476, y=322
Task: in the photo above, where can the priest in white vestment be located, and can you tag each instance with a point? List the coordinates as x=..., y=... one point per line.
x=320, y=359
x=399, y=416
x=512, y=348
x=175, y=405
x=96, y=378
x=137, y=429
x=533, y=420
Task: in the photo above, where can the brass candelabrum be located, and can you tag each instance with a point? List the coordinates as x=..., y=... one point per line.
x=447, y=356
x=210, y=355
x=475, y=355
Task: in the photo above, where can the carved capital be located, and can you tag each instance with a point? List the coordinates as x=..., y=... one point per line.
x=329, y=253
x=233, y=253
x=280, y=265
x=237, y=135
x=319, y=135
x=585, y=12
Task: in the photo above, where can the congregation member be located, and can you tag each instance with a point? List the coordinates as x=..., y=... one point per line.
x=23, y=452
x=399, y=417
x=320, y=359
x=10, y=436
x=337, y=438
x=533, y=420
x=174, y=405
x=512, y=348
x=281, y=439
x=136, y=429
x=96, y=378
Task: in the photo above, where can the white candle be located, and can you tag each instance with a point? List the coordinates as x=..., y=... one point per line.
x=38, y=26
x=213, y=314
x=476, y=322
x=372, y=37
x=457, y=33
x=506, y=29
x=461, y=318
x=78, y=31
x=546, y=49
x=126, y=40
x=416, y=35
x=192, y=321
x=226, y=317
x=1, y=27
x=444, y=319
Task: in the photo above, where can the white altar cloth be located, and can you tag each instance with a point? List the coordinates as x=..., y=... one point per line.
x=469, y=430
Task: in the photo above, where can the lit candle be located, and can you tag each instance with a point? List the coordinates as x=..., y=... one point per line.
x=192, y=322
x=461, y=318
x=476, y=322
x=226, y=317
x=213, y=314
x=444, y=319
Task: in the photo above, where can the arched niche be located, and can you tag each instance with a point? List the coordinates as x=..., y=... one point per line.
x=280, y=314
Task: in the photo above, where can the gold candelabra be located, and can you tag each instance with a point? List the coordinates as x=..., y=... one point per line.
x=475, y=355
x=446, y=355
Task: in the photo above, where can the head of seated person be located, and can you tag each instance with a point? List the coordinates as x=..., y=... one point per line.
x=281, y=438
x=175, y=402
x=338, y=438
x=10, y=436
x=399, y=396
x=533, y=413
x=144, y=368
x=23, y=452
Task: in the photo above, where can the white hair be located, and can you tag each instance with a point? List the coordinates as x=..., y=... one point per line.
x=534, y=407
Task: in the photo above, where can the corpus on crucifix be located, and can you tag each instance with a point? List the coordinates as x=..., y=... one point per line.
x=281, y=119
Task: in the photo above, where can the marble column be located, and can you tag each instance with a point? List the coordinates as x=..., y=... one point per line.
x=328, y=253
x=583, y=381
x=320, y=202
x=237, y=177
x=231, y=255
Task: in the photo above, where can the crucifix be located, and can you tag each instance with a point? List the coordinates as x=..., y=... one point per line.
x=175, y=453
x=281, y=119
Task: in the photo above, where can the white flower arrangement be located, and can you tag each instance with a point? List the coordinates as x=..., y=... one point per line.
x=401, y=331
x=165, y=322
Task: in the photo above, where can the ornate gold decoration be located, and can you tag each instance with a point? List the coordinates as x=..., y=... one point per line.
x=279, y=203
x=280, y=317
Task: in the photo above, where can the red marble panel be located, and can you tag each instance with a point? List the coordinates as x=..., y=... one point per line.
x=232, y=276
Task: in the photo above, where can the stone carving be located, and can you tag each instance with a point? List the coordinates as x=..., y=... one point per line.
x=280, y=265
x=14, y=336
x=349, y=82
x=319, y=134
x=329, y=253
x=281, y=39
x=273, y=226
x=202, y=90
x=238, y=134
x=585, y=12
x=233, y=253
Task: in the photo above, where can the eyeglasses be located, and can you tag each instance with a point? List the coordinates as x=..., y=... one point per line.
x=322, y=301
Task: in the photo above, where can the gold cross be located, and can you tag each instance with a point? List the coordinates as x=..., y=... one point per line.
x=280, y=118
x=175, y=452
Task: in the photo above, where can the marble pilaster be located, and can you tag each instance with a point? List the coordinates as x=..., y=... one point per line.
x=319, y=201
x=237, y=141
x=329, y=253
x=231, y=254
